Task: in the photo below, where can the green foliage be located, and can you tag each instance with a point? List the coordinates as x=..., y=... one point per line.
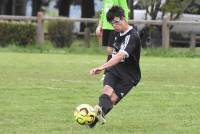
x=193, y=8
x=171, y=52
x=16, y=32
x=175, y=8
x=78, y=47
x=31, y=48
x=60, y=33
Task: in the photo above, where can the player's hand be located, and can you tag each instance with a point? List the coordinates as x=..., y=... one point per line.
x=95, y=71
x=99, y=31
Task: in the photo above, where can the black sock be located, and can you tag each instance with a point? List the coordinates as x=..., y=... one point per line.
x=105, y=103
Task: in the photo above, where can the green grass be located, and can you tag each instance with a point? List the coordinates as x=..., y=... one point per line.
x=78, y=47
x=38, y=93
x=171, y=52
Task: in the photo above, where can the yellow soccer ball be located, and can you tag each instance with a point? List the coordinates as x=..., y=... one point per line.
x=84, y=114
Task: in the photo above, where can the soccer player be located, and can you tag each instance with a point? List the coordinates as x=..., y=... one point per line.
x=123, y=70
x=105, y=29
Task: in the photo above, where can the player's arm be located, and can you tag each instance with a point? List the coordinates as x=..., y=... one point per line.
x=99, y=27
x=113, y=61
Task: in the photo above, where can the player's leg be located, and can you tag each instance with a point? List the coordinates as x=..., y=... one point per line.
x=109, y=52
x=107, y=41
x=111, y=40
x=105, y=105
x=121, y=90
x=109, y=83
x=113, y=93
x=105, y=102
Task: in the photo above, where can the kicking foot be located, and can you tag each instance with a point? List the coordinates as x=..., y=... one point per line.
x=99, y=114
x=93, y=124
x=99, y=117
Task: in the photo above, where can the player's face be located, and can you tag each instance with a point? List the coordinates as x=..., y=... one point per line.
x=117, y=24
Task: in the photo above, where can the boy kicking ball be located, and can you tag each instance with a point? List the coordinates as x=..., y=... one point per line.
x=123, y=69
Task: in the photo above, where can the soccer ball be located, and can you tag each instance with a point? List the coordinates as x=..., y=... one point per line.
x=84, y=114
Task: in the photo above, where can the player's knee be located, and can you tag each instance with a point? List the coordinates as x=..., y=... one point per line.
x=108, y=90
x=114, y=98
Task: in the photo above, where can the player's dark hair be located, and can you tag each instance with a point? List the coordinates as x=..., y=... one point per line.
x=114, y=11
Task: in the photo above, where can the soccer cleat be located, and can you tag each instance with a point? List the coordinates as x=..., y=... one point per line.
x=99, y=117
x=99, y=114
x=93, y=124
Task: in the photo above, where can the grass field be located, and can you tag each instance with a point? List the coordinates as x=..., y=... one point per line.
x=38, y=93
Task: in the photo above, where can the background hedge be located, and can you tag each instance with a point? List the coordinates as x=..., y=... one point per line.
x=60, y=33
x=21, y=33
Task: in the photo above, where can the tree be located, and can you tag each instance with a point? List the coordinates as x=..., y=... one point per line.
x=19, y=7
x=172, y=7
x=13, y=7
x=175, y=8
x=87, y=8
x=36, y=6
x=193, y=8
x=130, y=5
x=87, y=11
x=148, y=33
x=63, y=7
x=9, y=7
x=2, y=6
x=152, y=7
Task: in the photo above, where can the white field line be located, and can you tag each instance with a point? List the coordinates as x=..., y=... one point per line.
x=76, y=81
x=171, y=92
x=176, y=85
x=147, y=92
x=95, y=80
x=183, y=86
x=141, y=84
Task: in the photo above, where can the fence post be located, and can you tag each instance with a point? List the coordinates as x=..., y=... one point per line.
x=165, y=33
x=87, y=36
x=40, y=28
x=192, y=41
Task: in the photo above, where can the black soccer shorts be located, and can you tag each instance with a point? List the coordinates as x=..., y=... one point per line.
x=121, y=86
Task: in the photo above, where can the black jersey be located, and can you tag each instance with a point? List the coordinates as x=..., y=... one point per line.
x=129, y=43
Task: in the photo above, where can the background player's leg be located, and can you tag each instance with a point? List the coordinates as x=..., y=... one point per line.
x=109, y=53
